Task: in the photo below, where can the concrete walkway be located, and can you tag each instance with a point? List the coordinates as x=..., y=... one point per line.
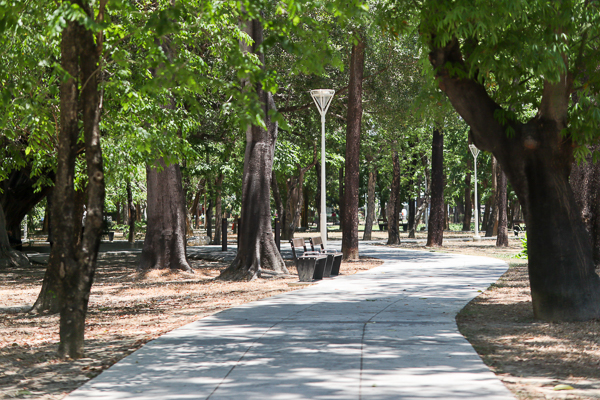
x=387, y=333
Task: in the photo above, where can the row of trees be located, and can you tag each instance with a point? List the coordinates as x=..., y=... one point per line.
x=94, y=91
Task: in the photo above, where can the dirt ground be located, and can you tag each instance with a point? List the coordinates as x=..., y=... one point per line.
x=126, y=310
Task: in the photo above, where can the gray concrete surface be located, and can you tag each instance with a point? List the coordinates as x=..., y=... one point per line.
x=387, y=333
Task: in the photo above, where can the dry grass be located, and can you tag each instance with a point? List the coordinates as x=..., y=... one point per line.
x=127, y=309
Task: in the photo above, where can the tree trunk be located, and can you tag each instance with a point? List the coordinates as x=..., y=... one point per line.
x=370, y=218
x=72, y=267
x=537, y=160
x=468, y=204
x=352, y=182
x=492, y=222
x=165, y=242
x=257, y=251
x=393, y=223
x=132, y=214
x=9, y=258
x=209, y=216
x=341, y=196
x=218, y=209
x=585, y=181
x=295, y=188
x=501, y=200
x=435, y=230
x=277, y=197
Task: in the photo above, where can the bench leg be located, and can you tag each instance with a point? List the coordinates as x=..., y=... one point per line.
x=337, y=261
x=328, y=266
x=320, y=264
x=306, y=269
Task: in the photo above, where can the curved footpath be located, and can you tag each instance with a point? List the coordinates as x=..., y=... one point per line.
x=386, y=333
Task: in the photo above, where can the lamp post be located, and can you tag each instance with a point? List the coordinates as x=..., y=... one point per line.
x=475, y=152
x=322, y=98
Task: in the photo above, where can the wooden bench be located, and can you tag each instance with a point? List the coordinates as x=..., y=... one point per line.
x=334, y=259
x=311, y=264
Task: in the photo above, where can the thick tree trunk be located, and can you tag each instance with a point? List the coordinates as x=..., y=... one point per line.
x=501, y=200
x=351, y=183
x=218, y=209
x=71, y=267
x=370, y=218
x=18, y=196
x=435, y=230
x=9, y=258
x=585, y=181
x=537, y=160
x=393, y=223
x=132, y=214
x=257, y=252
x=165, y=242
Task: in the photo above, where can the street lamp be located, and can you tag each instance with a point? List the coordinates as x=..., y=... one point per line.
x=475, y=152
x=322, y=98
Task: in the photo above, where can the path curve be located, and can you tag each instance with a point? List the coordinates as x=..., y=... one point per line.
x=387, y=333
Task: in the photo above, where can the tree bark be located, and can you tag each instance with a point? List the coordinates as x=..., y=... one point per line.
x=165, y=241
x=412, y=210
x=341, y=195
x=393, y=223
x=277, y=198
x=72, y=266
x=132, y=214
x=295, y=188
x=9, y=258
x=257, y=252
x=370, y=218
x=585, y=181
x=468, y=204
x=353, y=129
x=435, y=230
x=537, y=160
x=501, y=202
x=18, y=196
x=218, y=209
x=492, y=222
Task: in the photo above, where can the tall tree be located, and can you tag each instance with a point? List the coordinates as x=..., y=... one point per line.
x=554, y=48
x=353, y=128
x=257, y=251
x=72, y=263
x=435, y=231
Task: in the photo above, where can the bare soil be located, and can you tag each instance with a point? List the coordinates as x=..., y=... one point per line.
x=127, y=309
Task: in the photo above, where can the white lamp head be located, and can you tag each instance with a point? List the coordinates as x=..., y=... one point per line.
x=474, y=150
x=322, y=98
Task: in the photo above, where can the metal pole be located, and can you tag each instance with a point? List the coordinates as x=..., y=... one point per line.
x=323, y=193
x=476, y=205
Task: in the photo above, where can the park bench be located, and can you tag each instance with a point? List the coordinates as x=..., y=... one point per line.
x=334, y=259
x=310, y=264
